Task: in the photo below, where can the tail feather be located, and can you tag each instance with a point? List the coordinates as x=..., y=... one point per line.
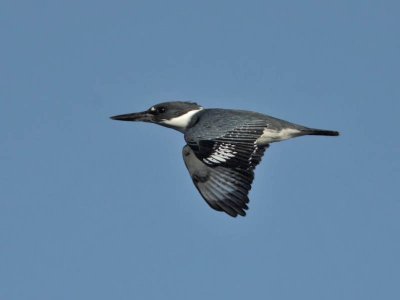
x=311, y=131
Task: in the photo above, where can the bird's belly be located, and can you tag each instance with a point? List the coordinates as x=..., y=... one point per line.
x=273, y=135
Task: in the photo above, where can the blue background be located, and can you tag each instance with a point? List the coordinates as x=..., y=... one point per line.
x=92, y=208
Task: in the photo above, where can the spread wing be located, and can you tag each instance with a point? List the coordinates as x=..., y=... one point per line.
x=237, y=148
x=224, y=189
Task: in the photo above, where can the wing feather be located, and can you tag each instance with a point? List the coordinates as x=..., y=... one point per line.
x=223, y=188
x=237, y=148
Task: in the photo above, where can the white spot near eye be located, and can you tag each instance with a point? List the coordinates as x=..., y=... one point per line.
x=152, y=109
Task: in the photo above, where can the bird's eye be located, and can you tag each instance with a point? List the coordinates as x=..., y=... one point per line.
x=161, y=109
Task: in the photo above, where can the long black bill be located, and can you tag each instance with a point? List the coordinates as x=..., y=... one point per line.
x=140, y=116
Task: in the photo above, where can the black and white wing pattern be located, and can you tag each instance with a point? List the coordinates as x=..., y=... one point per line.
x=236, y=148
x=224, y=189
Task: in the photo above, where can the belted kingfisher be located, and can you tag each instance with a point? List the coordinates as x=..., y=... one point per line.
x=223, y=147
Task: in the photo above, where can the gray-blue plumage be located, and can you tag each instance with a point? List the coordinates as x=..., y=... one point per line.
x=223, y=148
x=212, y=123
x=235, y=130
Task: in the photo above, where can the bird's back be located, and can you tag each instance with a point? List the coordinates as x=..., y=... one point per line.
x=214, y=123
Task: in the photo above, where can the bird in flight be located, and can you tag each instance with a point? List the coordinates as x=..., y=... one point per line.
x=223, y=147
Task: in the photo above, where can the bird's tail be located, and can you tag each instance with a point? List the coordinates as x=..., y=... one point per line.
x=312, y=131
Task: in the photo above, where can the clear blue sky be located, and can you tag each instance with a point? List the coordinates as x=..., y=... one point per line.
x=91, y=208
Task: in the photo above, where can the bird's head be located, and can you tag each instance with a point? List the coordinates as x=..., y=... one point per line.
x=176, y=115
